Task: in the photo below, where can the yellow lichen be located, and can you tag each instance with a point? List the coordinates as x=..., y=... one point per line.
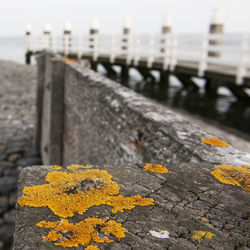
x=233, y=176
x=215, y=142
x=68, y=193
x=92, y=247
x=156, y=168
x=55, y=167
x=201, y=235
x=68, y=60
x=245, y=166
x=75, y=168
x=83, y=233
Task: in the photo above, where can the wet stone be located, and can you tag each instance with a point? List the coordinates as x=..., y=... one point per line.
x=14, y=157
x=11, y=172
x=3, y=157
x=6, y=232
x=3, y=205
x=28, y=161
x=6, y=164
x=31, y=153
x=8, y=184
x=10, y=216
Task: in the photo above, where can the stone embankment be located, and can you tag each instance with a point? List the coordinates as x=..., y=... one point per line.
x=17, y=109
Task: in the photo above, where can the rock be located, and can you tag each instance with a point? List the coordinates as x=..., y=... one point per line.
x=3, y=205
x=28, y=161
x=6, y=232
x=6, y=164
x=14, y=157
x=12, y=199
x=11, y=172
x=31, y=153
x=10, y=216
x=3, y=157
x=8, y=184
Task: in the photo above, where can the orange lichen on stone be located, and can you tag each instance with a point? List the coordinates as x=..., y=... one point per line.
x=55, y=167
x=245, y=166
x=83, y=233
x=92, y=247
x=201, y=235
x=233, y=176
x=215, y=142
x=75, y=168
x=68, y=60
x=156, y=168
x=68, y=193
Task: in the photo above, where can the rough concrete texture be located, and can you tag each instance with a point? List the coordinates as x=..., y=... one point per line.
x=105, y=122
x=187, y=199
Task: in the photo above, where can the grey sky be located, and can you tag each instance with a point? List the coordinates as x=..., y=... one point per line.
x=189, y=15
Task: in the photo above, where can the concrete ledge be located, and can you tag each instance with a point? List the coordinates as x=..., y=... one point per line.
x=188, y=199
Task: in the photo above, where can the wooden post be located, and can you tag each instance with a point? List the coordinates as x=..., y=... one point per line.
x=93, y=39
x=57, y=112
x=126, y=40
x=47, y=42
x=67, y=40
x=126, y=48
x=216, y=28
x=28, y=44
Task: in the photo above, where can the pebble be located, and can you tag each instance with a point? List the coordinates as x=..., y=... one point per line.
x=17, y=116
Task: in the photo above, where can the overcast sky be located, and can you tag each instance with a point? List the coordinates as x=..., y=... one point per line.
x=190, y=16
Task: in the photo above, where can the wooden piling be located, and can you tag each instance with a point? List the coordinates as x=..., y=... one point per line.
x=216, y=28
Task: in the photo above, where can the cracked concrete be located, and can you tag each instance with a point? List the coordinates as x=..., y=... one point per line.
x=187, y=199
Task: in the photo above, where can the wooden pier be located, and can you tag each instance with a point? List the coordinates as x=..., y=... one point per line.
x=214, y=58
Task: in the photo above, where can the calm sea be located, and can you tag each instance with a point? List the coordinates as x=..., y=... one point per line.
x=225, y=109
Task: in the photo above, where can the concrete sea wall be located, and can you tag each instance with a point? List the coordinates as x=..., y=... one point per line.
x=86, y=118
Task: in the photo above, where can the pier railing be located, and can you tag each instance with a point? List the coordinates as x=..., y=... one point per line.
x=232, y=50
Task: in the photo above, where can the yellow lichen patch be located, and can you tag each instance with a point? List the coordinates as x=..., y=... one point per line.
x=202, y=219
x=83, y=233
x=55, y=167
x=245, y=166
x=68, y=60
x=75, y=168
x=215, y=142
x=233, y=176
x=67, y=193
x=92, y=247
x=201, y=235
x=156, y=168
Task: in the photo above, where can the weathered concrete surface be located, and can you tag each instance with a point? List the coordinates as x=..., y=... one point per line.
x=105, y=122
x=187, y=199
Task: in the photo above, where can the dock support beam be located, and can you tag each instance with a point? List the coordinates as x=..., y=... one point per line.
x=211, y=87
x=187, y=82
x=28, y=57
x=146, y=74
x=164, y=78
x=124, y=74
x=109, y=69
x=94, y=65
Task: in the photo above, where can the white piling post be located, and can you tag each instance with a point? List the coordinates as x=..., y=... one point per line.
x=174, y=52
x=67, y=39
x=54, y=43
x=126, y=39
x=80, y=47
x=28, y=38
x=151, y=52
x=47, y=36
x=242, y=68
x=166, y=40
x=216, y=28
x=137, y=50
x=113, y=49
x=94, y=38
x=204, y=57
